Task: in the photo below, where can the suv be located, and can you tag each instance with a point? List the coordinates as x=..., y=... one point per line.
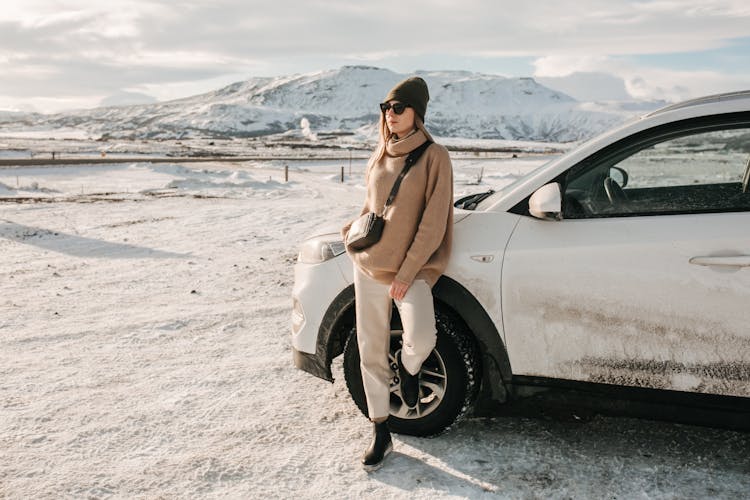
x=623, y=264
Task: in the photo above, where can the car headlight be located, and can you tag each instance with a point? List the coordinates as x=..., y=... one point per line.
x=321, y=249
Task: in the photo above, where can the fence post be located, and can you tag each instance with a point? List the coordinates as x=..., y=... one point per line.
x=342, y=174
x=286, y=173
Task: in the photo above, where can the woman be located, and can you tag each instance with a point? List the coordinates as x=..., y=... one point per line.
x=407, y=260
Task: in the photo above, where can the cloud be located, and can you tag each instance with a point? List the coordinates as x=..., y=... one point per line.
x=560, y=66
x=124, y=98
x=73, y=48
x=669, y=85
x=640, y=81
x=589, y=86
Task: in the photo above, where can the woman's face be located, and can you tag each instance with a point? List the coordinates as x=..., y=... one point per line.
x=402, y=124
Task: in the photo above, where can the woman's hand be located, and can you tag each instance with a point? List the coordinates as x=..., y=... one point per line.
x=398, y=290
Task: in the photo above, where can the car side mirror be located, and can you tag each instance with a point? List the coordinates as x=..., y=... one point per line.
x=546, y=202
x=619, y=175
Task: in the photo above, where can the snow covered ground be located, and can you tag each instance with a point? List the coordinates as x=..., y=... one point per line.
x=144, y=352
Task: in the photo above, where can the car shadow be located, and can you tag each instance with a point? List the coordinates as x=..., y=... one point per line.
x=78, y=246
x=604, y=457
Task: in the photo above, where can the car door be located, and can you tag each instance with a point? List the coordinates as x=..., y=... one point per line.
x=646, y=279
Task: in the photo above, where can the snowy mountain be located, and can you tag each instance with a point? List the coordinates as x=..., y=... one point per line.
x=462, y=104
x=18, y=117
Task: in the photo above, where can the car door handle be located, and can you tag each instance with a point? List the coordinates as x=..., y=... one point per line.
x=727, y=261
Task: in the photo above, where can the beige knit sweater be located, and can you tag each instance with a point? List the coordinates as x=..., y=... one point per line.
x=416, y=240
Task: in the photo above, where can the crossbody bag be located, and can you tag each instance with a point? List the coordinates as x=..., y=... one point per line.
x=368, y=228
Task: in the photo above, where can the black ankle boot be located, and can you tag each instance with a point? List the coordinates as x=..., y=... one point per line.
x=380, y=447
x=409, y=385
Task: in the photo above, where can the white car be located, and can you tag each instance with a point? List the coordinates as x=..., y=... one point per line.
x=622, y=264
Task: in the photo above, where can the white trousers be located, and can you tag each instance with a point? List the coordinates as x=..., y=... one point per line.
x=373, y=310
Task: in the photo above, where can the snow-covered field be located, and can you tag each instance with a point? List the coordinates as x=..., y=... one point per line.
x=144, y=352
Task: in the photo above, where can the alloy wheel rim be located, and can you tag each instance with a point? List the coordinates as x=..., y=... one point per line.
x=433, y=381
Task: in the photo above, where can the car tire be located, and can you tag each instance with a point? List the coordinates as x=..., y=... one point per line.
x=449, y=378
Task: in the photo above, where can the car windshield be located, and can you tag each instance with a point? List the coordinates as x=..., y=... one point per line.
x=490, y=200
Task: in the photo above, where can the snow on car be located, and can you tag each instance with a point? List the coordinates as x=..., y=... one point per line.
x=622, y=264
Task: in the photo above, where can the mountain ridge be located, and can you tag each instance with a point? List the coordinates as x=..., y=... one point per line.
x=344, y=100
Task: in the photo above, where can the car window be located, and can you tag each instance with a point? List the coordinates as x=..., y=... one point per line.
x=692, y=173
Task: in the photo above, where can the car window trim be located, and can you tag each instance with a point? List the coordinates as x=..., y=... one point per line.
x=646, y=138
x=628, y=146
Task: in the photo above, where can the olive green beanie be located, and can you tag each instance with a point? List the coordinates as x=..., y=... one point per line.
x=412, y=91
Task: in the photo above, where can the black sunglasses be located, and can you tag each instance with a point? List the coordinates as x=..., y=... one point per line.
x=397, y=107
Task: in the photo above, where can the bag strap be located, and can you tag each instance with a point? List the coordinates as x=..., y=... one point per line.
x=410, y=161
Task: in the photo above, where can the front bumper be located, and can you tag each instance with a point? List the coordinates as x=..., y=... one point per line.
x=321, y=294
x=313, y=364
x=315, y=287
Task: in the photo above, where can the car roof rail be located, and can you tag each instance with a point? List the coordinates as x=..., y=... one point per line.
x=709, y=99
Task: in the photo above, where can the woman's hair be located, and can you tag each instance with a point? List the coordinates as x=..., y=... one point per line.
x=386, y=135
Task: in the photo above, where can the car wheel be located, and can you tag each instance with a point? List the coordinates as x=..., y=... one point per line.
x=449, y=379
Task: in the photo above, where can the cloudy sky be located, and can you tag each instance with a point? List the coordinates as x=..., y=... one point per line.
x=62, y=54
